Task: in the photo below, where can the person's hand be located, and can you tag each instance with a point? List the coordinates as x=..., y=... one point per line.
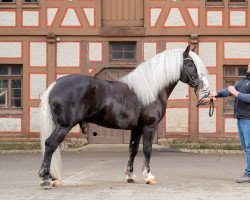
x=233, y=91
x=212, y=95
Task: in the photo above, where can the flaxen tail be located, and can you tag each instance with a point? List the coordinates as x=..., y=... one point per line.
x=47, y=126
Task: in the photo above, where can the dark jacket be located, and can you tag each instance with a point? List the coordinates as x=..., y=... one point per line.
x=242, y=101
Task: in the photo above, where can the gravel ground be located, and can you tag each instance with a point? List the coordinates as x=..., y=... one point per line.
x=99, y=175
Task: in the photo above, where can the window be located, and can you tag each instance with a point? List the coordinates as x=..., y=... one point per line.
x=7, y=1
x=214, y=2
x=30, y=1
x=231, y=75
x=122, y=51
x=10, y=86
x=237, y=2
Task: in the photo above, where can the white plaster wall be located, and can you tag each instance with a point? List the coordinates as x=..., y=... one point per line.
x=75, y=129
x=154, y=14
x=90, y=14
x=176, y=45
x=208, y=53
x=149, y=50
x=37, y=85
x=231, y=125
x=38, y=54
x=10, y=49
x=7, y=18
x=95, y=51
x=237, y=18
x=10, y=124
x=237, y=50
x=30, y=18
x=180, y=91
x=34, y=120
x=71, y=18
x=194, y=15
x=61, y=75
x=207, y=124
x=177, y=120
x=68, y=54
x=175, y=18
x=212, y=82
x=214, y=18
x=51, y=13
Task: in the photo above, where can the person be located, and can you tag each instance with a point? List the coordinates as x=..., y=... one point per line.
x=241, y=92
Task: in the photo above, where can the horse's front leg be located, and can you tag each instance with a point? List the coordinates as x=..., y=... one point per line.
x=148, y=136
x=133, y=149
x=51, y=144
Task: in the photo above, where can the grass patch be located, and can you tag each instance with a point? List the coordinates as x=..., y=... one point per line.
x=206, y=144
x=19, y=146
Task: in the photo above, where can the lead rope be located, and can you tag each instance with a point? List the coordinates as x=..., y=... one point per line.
x=202, y=102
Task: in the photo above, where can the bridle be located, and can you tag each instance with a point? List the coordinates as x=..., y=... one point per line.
x=192, y=81
x=203, y=100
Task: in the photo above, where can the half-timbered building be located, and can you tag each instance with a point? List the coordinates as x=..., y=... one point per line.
x=42, y=40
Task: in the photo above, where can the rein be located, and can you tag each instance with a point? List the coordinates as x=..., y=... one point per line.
x=202, y=102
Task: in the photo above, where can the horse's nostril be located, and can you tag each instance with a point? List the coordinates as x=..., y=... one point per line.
x=94, y=133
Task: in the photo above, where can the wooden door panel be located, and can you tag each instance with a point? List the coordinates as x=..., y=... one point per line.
x=122, y=13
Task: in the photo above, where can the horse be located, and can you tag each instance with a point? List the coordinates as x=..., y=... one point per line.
x=135, y=102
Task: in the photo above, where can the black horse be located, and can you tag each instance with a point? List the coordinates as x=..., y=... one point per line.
x=136, y=102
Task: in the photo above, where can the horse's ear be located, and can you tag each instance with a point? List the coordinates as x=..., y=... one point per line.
x=193, y=50
x=185, y=54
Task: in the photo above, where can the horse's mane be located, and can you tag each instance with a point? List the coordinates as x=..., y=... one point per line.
x=150, y=77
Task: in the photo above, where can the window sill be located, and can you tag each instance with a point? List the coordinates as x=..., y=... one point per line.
x=31, y=6
x=122, y=62
x=228, y=113
x=11, y=111
x=215, y=6
x=8, y=6
x=237, y=6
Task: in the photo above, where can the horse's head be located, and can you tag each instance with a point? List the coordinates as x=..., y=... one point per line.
x=193, y=71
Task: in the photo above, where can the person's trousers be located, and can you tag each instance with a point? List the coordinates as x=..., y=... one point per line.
x=244, y=131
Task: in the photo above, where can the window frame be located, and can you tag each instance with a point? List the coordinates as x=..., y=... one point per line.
x=122, y=60
x=234, y=78
x=215, y=4
x=11, y=77
x=8, y=3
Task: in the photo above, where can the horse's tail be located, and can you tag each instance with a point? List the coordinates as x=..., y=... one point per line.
x=47, y=126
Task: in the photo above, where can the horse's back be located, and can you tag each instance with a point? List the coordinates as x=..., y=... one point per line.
x=82, y=98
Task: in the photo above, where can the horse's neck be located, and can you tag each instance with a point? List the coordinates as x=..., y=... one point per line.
x=166, y=92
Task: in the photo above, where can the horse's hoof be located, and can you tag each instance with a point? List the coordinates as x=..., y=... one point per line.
x=46, y=184
x=152, y=181
x=131, y=178
x=56, y=183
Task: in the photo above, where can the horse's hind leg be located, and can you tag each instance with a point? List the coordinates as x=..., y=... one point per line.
x=133, y=148
x=148, y=136
x=51, y=144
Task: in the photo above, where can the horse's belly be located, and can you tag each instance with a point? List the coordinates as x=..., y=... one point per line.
x=117, y=121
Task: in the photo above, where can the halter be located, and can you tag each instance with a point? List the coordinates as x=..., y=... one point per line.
x=202, y=101
x=191, y=79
